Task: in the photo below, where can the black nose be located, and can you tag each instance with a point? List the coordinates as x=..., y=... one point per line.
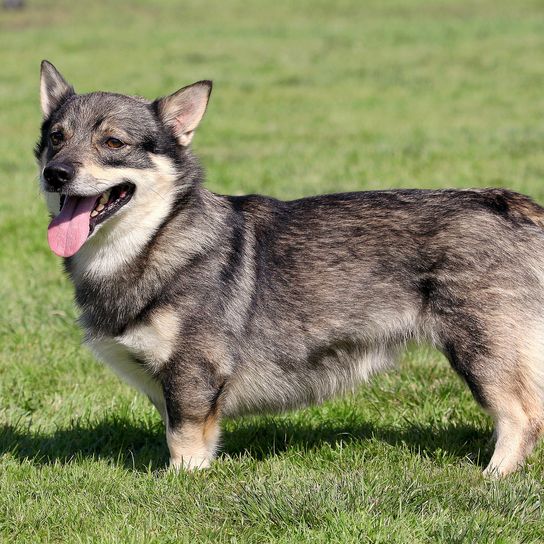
x=57, y=174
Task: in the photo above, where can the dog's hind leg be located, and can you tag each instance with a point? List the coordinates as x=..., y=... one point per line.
x=503, y=380
x=516, y=402
x=517, y=428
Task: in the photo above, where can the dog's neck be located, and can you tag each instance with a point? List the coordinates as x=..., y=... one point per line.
x=117, y=275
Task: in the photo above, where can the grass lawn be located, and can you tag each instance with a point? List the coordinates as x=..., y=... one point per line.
x=310, y=96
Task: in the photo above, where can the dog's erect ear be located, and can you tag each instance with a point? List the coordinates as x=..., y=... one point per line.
x=54, y=89
x=183, y=110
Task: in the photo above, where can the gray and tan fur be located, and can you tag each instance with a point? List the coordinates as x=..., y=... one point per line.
x=215, y=305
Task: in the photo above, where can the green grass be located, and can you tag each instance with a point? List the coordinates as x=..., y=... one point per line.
x=309, y=97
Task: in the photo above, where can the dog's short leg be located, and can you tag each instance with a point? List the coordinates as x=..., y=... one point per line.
x=513, y=397
x=516, y=404
x=502, y=380
x=192, y=420
x=517, y=434
x=192, y=444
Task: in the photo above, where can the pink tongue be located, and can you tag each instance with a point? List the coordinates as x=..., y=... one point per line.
x=69, y=230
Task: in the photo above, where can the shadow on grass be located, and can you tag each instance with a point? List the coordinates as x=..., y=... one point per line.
x=265, y=438
x=137, y=447
x=143, y=448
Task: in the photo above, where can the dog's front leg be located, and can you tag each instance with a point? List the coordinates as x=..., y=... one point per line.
x=192, y=420
x=192, y=444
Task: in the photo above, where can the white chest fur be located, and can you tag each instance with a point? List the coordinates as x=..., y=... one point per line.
x=140, y=352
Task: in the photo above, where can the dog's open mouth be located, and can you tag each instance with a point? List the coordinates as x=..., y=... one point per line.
x=79, y=215
x=107, y=203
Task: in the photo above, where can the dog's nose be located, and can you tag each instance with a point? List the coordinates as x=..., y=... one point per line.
x=58, y=174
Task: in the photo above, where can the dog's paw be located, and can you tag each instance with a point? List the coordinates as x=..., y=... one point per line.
x=492, y=473
x=496, y=472
x=189, y=463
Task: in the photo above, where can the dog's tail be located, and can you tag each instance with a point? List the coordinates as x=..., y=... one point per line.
x=517, y=207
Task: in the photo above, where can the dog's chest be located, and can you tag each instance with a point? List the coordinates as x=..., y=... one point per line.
x=140, y=352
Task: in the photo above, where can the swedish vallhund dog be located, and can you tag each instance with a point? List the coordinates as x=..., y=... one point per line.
x=219, y=305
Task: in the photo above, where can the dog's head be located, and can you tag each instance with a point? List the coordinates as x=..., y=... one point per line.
x=103, y=154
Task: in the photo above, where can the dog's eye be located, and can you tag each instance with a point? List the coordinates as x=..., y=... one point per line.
x=56, y=137
x=114, y=143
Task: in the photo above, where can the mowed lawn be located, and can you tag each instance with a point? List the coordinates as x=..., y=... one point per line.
x=309, y=97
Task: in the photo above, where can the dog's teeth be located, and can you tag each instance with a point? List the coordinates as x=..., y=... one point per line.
x=100, y=207
x=94, y=213
x=104, y=198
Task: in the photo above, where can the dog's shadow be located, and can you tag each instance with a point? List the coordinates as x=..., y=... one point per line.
x=115, y=440
x=142, y=448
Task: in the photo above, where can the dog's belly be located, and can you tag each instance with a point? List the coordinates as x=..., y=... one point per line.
x=261, y=387
x=124, y=362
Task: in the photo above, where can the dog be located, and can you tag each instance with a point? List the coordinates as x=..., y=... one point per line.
x=218, y=305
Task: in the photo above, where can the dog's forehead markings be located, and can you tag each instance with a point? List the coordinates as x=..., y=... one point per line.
x=89, y=111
